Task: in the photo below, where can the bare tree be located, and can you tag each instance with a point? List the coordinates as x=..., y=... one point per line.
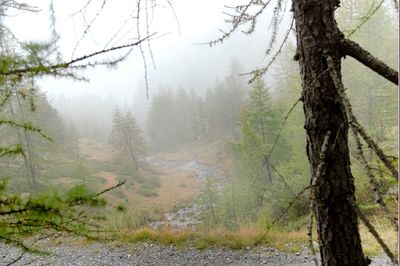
x=320, y=48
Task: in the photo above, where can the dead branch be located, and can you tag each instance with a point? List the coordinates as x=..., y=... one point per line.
x=357, y=129
x=310, y=238
x=282, y=127
x=372, y=230
x=370, y=13
x=354, y=50
x=88, y=26
x=313, y=210
x=378, y=151
x=259, y=72
x=120, y=183
x=372, y=181
x=354, y=123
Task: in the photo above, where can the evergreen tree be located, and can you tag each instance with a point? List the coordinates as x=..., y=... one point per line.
x=259, y=126
x=127, y=138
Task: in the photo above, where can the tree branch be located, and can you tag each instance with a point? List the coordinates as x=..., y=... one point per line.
x=111, y=188
x=354, y=50
x=45, y=69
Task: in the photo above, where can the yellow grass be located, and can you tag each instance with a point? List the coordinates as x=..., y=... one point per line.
x=176, y=187
x=245, y=237
x=386, y=232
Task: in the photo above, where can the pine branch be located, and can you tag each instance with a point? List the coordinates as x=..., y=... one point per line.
x=354, y=50
x=27, y=126
x=50, y=69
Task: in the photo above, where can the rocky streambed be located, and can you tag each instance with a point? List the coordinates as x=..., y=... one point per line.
x=187, y=217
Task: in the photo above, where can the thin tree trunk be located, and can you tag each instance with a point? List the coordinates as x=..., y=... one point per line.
x=269, y=172
x=317, y=38
x=26, y=163
x=29, y=149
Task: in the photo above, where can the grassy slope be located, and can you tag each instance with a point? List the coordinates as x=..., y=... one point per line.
x=148, y=192
x=178, y=187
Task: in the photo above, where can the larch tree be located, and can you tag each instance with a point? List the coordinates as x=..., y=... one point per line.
x=321, y=46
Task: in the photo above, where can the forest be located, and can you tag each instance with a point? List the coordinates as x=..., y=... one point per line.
x=213, y=158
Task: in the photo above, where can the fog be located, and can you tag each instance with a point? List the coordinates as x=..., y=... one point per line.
x=175, y=136
x=179, y=59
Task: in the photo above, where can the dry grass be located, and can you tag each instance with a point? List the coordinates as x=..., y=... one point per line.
x=170, y=193
x=95, y=151
x=211, y=153
x=110, y=178
x=245, y=237
x=386, y=232
x=176, y=187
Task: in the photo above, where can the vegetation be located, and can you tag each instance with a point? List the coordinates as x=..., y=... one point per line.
x=260, y=192
x=127, y=138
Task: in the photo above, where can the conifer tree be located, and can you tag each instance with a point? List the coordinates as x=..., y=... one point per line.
x=259, y=125
x=127, y=138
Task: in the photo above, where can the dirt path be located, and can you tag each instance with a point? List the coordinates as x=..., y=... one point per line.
x=102, y=254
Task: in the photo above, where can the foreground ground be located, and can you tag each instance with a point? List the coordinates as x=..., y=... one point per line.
x=180, y=174
x=151, y=254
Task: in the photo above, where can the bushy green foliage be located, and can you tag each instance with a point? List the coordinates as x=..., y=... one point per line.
x=22, y=214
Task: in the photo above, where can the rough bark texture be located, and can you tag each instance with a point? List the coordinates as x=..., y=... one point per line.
x=318, y=37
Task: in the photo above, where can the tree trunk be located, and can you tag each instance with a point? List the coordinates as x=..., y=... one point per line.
x=318, y=37
x=26, y=163
x=269, y=172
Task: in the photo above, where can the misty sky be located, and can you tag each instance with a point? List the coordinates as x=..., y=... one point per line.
x=178, y=60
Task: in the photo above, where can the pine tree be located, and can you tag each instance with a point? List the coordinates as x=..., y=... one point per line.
x=259, y=126
x=127, y=137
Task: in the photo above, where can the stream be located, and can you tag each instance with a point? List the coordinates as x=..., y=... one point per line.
x=187, y=217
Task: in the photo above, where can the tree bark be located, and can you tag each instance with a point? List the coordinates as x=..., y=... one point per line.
x=317, y=38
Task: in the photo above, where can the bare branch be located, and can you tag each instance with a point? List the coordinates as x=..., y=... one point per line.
x=111, y=188
x=354, y=123
x=378, y=151
x=372, y=230
x=310, y=238
x=354, y=50
x=258, y=72
x=370, y=13
x=43, y=70
x=282, y=127
x=87, y=29
x=372, y=180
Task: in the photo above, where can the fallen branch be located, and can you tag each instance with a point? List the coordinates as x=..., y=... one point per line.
x=120, y=183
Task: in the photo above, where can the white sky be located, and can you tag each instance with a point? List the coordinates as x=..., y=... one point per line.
x=179, y=62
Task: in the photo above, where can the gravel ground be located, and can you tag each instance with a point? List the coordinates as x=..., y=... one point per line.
x=152, y=254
